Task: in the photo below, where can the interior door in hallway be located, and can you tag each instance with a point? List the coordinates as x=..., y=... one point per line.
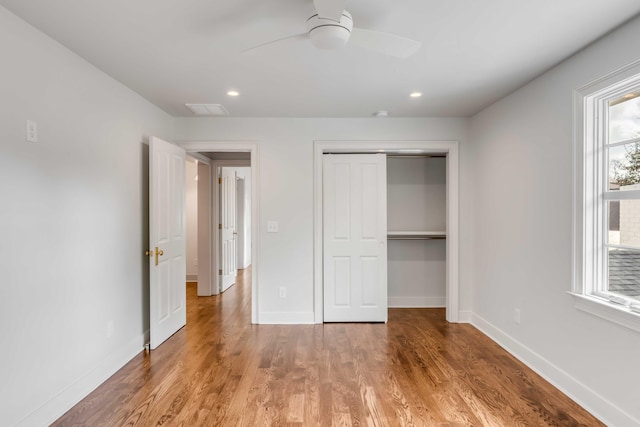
x=355, y=237
x=167, y=236
x=228, y=228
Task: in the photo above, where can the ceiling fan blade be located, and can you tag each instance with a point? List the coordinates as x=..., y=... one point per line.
x=389, y=44
x=301, y=36
x=329, y=9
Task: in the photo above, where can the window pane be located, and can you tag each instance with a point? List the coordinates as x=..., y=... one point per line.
x=624, y=167
x=628, y=222
x=624, y=272
x=614, y=222
x=624, y=118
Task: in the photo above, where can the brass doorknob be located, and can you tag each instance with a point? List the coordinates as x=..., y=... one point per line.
x=157, y=253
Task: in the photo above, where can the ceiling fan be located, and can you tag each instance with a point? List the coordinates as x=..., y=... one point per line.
x=332, y=27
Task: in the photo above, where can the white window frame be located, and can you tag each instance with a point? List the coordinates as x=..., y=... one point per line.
x=590, y=197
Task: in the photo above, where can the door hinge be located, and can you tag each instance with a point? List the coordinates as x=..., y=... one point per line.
x=219, y=226
x=219, y=180
x=220, y=272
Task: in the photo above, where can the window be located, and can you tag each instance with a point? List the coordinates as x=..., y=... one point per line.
x=607, y=167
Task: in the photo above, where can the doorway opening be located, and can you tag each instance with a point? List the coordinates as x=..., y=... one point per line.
x=223, y=199
x=227, y=216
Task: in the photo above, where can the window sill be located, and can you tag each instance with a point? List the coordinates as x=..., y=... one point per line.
x=607, y=310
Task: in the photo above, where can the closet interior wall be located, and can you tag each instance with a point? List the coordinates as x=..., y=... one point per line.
x=416, y=205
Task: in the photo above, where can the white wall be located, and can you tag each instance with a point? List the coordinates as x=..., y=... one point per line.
x=522, y=151
x=73, y=224
x=416, y=194
x=191, y=205
x=286, y=193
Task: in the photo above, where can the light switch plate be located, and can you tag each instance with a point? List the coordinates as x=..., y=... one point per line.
x=272, y=226
x=31, y=131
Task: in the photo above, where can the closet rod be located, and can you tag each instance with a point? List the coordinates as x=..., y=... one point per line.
x=399, y=156
x=415, y=238
x=393, y=155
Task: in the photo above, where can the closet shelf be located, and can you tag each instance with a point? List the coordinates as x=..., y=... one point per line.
x=416, y=235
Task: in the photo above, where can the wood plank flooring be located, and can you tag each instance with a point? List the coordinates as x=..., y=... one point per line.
x=417, y=370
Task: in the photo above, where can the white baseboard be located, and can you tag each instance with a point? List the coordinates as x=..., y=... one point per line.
x=593, y=402
x=465, y=316
x=57, y=405
x=285, y=318
x=192, y=277
x=416, y=302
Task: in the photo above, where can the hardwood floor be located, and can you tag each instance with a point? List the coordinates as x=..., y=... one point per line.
x=417, y=370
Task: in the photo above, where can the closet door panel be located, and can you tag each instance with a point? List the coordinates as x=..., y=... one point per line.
x=354, y=235
x=340, y=218
x=369, y=272
x=370, y=215
x=341, y=267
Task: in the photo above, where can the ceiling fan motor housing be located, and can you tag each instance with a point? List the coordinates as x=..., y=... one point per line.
x=328, y=33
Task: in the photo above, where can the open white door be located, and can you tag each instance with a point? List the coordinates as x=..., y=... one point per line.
x=228, y=232
x=166, y=240
x=355, y=237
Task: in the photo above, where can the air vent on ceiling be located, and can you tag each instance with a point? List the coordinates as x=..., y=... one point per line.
x=207, y=109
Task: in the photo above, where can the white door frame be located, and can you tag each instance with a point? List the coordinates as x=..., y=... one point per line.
x=450, y=148
x=235, y=147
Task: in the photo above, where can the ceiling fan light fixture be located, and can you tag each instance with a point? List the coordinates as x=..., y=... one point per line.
x=330, y=37
x=329, y=34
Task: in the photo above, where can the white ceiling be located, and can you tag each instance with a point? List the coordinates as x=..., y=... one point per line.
x=174, y=52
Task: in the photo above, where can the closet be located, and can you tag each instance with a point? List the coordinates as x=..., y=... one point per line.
x=384, y=234
x=416, y=224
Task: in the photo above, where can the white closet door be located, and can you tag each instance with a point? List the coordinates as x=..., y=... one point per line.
x=355, y=237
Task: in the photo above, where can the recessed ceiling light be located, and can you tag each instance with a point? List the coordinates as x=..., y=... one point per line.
x=381, y=113
x=416, y=94
x=233, y=93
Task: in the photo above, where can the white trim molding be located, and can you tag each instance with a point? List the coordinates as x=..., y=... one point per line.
x=252, y=147
x=465, y=316
x=616, y=313
x=286, y=318
x=450, y=148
